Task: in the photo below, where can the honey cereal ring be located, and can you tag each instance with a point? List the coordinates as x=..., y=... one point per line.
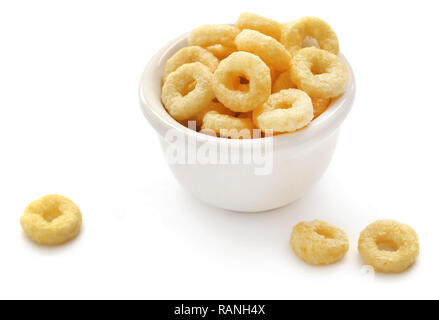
x=212, y=34
x=389, y=246
x=180, y=103
x=259, y=23
x=320, y=105
x=272, y=52
x=285, y=111
x=51, y=220
x=319, y=73
x=213, y=106
x=228, y=126
x=319, y=243
x=282, y=82
x=237, y=66
x=294, y=34
x=189, y=55
x=220, y=51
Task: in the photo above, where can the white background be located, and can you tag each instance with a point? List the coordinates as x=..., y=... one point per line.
x=70, y=123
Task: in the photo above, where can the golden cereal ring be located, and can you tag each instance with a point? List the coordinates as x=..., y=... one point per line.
x=389, y=246
x=211, y=34
x=282, y=82
x=320, y=105
x=319, y=73
x=189, y=55
x=220, y=51
x=235, y=67
x=272, y=52
x=213, y=106
x=286, y=111
x=51, y=220
x=296, y=32
x=259, y=23
x=181, y=102
x=319, y=243
x=227, y=126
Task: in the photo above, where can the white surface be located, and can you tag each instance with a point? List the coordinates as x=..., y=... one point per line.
x=70, y=123
x=292, y=164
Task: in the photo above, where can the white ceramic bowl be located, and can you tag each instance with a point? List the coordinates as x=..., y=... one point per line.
x=298, y=160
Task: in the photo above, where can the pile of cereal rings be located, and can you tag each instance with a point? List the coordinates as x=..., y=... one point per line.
x=257, y=74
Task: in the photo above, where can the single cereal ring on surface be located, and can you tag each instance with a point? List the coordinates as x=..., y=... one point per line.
x=319, y=73
x=285, y=111
x=259, y=23
x=389, y=246
x=320, y=105
x=51, y=220
x=189, y=55
x=212, y=34
x=228, y=126
x=319, y=243
x=282, y=82
x=238, y=66
x=296, y=32
x=220, y=51
x=181, y=102
x=272, y=52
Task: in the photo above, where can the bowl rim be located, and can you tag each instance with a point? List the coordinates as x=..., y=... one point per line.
x=152, y=107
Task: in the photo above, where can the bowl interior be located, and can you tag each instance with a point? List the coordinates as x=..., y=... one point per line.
x=150, y=97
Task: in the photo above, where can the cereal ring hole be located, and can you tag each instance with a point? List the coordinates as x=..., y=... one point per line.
x=237, y=82
x=243, y=80
x=325, y=233
x=385, y=244
x=186, y=87
x=284, y=104
x=318, y=68
x=51, y=213
x=189, y=88
x=310, y=42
